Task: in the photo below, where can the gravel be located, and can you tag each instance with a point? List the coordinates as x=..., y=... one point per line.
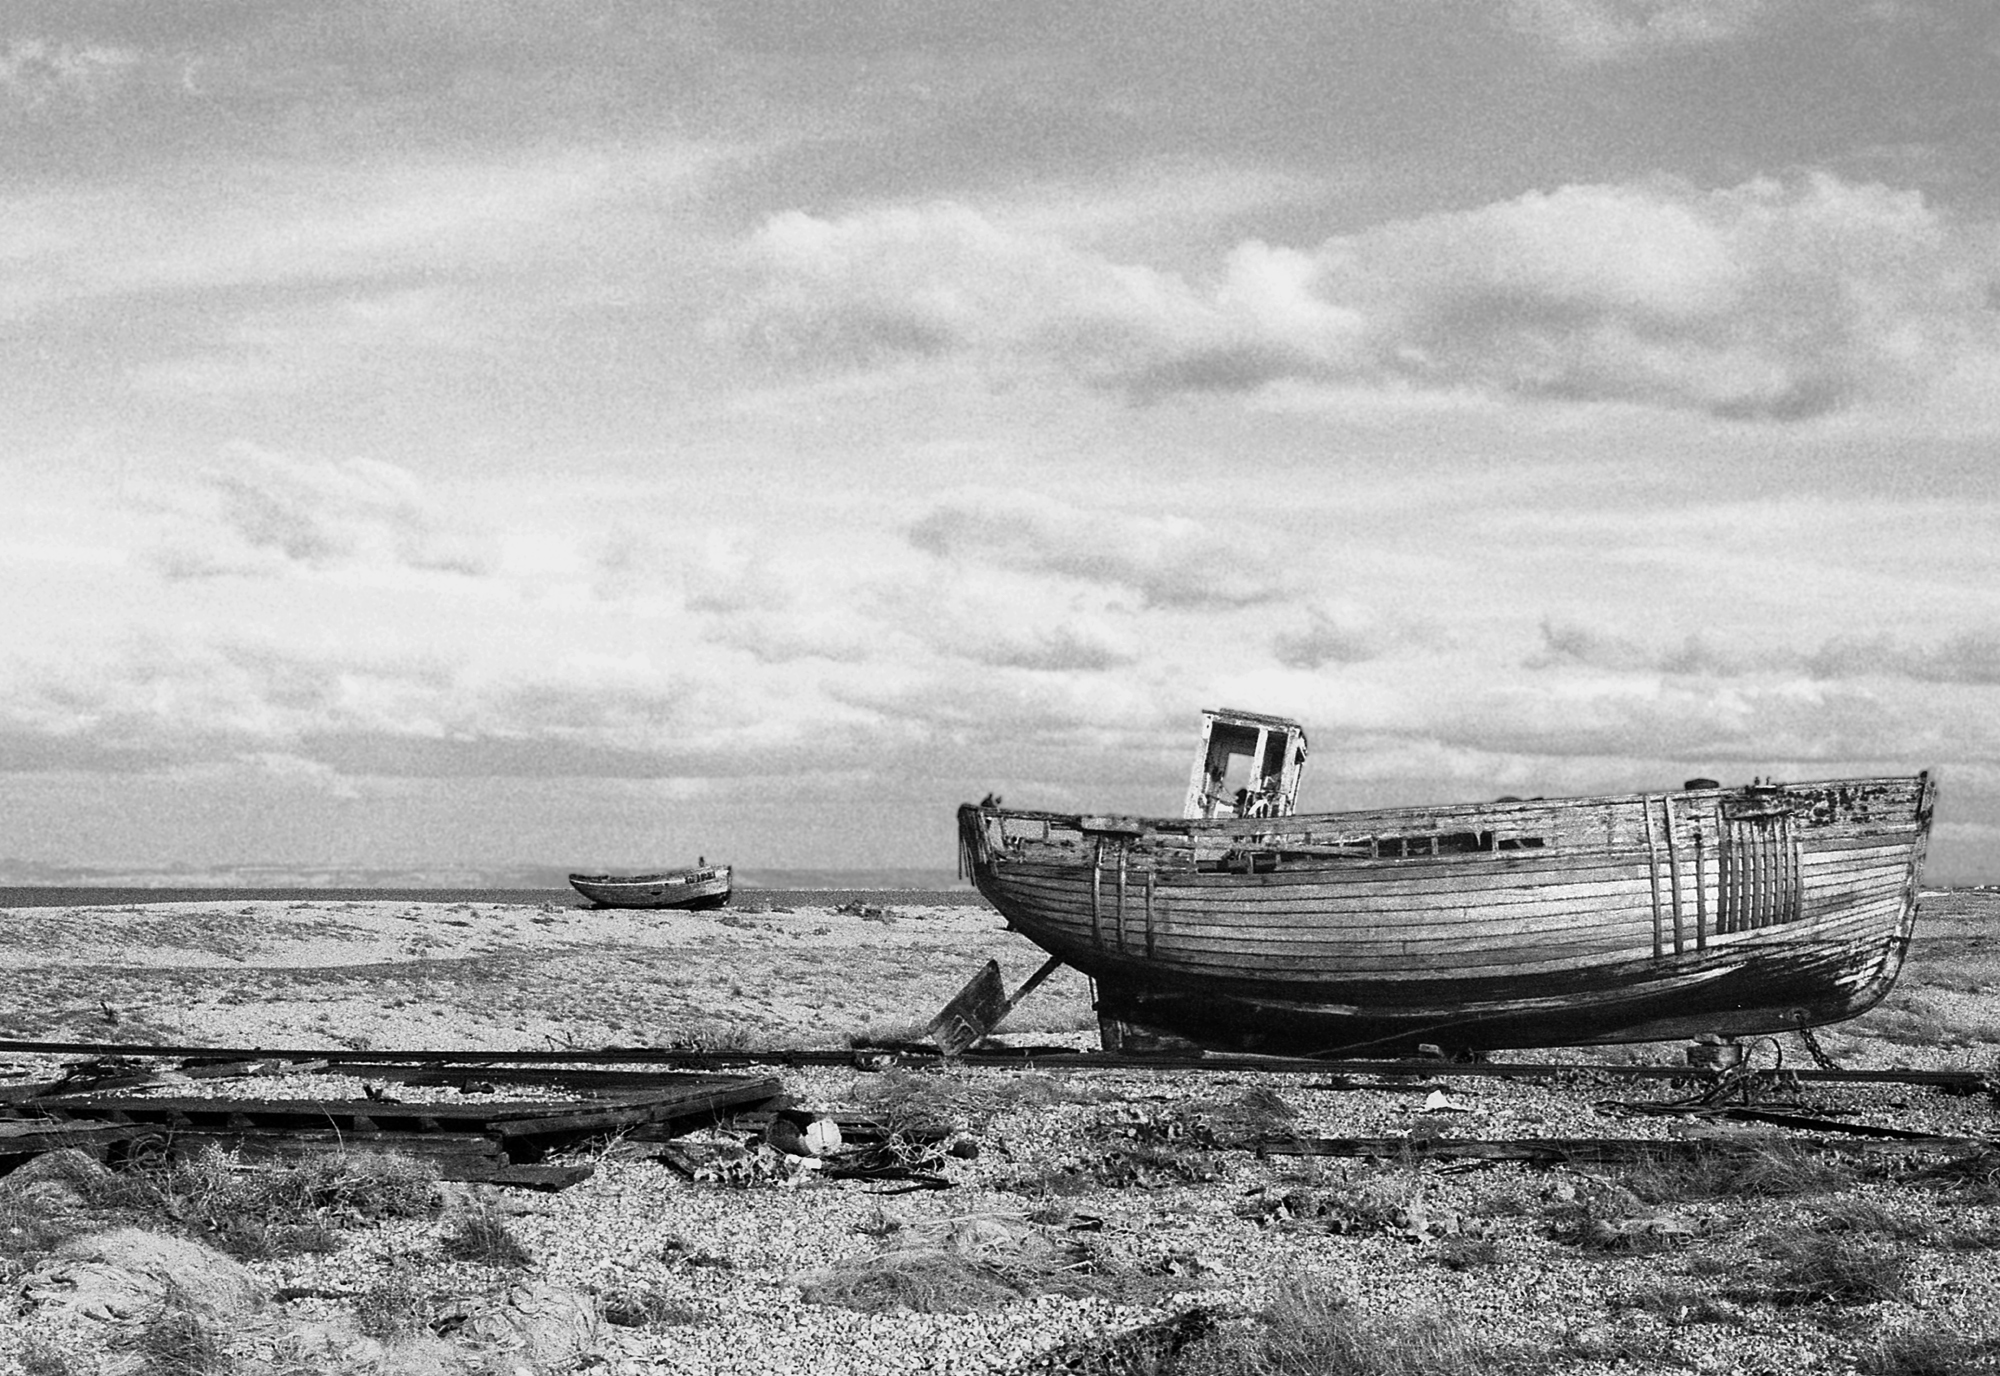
x=638, y=1224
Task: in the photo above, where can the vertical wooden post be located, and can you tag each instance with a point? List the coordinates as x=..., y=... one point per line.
x=1700, y=887
x=1760, y=876
x=1673, y=869
x=1795, y=897
x=1653, y=873
x=1097, y=894
x=1151, y=875
x=1120, y=919
x=1732, y=857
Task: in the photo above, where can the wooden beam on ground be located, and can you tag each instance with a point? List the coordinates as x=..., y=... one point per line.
x=25, y=1137
x=1557, y=1151
x=685, y=1110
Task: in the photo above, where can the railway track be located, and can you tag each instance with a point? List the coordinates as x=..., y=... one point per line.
x=1038, y=1058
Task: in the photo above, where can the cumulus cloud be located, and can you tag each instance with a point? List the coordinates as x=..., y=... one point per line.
x=1573, y=643
x=1606, y=30
x=37, y=75
x=260, y=513
x=298, y=771
x=1056, y=649
x=1694, y=721
x=1971, y=658
x=1342, y=632
x=339, y=712
x=1169, y=561
x=1774, y=300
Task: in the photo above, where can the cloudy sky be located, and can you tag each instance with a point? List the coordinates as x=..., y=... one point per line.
x=475, y=432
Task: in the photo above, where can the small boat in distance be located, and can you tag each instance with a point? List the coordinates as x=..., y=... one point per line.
x=1518, y=923
x=700, y=885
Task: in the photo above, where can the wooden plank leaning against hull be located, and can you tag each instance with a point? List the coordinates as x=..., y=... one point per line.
x=1520, y=923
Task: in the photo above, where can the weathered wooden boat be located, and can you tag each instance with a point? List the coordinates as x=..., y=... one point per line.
x=1522, y=922
x=701, y=885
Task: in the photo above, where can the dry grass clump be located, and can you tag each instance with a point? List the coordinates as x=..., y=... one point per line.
x=268, y=1209
x=1151, y=1349
x=393, y=1308
x=483, y=1237
x=1769, y=1170
x=1840, y=1269
x=978, y=1261
x=1256, y=1113
x=1463, y=1253
x=1869, y=1217
x=1307, y=1330
x=646, y=1306
x=82, y=1175
x=1390, y=1200
x=1603, y=1216
x=260, y=1210
x=57, y=1196
x=39, y=1356
x=28, y=1231
x=1973, y=1179
x=1680, y=1304
x=177, y=1340
x=932, y=1103
x=1930, y=1351
x=926, y=1280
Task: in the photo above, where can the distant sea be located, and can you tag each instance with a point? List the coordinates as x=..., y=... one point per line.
x=746, y=895
x=24, y=885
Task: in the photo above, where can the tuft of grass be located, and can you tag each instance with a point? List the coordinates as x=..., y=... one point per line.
x=1869, y=1217
x=393, y=1308
x=1460, y=1253
x=84, y=1176
x=1601, y=1216
x=921, y=1280
x=176, y=1340
x=1975, y=1179
x=1973, y=1237
x=676, y=1251
x=270, y=1209
x=28, y=1232
x=1931, y=1352
x=41, y=1356
x=1680, y=1305
x=1047, y=1183
x=1842, y=1270
x=1308, y=1330
x=1769, y=1170
x=929, y=1103
x=481, y=1236
x=647, y=1306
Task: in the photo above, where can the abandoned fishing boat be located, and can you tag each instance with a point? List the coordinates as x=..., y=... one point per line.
x=700, y=885
x=1523, y=922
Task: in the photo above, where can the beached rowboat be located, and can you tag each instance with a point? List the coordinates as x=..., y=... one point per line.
x=699, y=886
x=1538, y=922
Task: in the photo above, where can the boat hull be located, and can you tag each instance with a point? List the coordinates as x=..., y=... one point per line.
x=704, y=887
x=1537, y=923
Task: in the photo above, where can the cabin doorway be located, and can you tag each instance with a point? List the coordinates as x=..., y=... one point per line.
x=1248, y=765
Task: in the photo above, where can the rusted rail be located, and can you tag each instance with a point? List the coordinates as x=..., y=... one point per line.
x=1037, y=1058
